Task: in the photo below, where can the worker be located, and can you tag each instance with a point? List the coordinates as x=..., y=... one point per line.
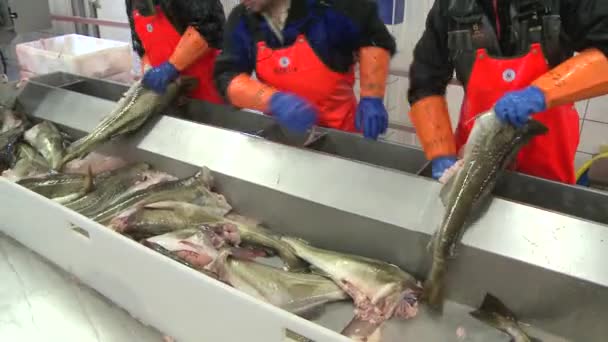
x=515, y=56
x=303, y=53
x=178, y=37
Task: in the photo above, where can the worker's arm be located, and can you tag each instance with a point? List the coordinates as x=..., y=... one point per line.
x=585, y=24
x=375, y=45
x=430, y=74
x=201, y=24
x=233, y=70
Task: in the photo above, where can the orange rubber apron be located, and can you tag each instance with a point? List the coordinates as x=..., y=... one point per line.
x=550, y=156
x=159, y=38
x=297, y=69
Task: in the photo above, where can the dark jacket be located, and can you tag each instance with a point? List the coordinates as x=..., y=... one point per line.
x=584, y=25
x=336, y=29
x=206, y=16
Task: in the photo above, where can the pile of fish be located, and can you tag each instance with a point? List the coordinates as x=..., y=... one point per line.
x=187, y=221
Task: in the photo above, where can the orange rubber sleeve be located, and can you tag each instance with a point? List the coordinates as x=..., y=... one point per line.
x=245, y=92
x=579, y=78
x=432, y=122
x=374, y=63
x=190, y=48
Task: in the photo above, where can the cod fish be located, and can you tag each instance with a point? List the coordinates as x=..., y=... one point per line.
x=47, y=140
x=242, y=234
x=494, y=313
x=97, y=162
x=132, y=111
x=109, y=186
x=28, y=164
x=163, y=217
x=196, y=248
x=61, y=188
x=8, y=141
x=379, y=290
x=490, y=149
x=194, y=190
x=298, y=293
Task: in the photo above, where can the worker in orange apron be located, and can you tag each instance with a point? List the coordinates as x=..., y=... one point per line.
x=303, y=54
x=510, y=55
x=178, y=37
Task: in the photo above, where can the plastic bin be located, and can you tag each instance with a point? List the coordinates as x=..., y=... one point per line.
x=82, y=55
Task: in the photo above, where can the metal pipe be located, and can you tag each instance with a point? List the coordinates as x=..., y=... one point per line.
x=93, y=6
x=83, y=20
x=78, y=10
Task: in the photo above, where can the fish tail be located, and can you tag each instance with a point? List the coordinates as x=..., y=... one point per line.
x=434, y=287
x=490, y=308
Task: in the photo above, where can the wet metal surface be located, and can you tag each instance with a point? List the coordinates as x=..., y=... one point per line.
x=40, y=302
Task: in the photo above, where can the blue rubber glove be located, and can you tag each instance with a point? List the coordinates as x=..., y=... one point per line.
x=293, y=112
x=159, y=78
x=516, y=107
x=372, y=117
x=441, y=164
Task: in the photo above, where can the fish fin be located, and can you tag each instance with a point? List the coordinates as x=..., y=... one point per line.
x=491, y=308
x=444, y=194
x=168, y=205
x=431, y=245
x=360, y=330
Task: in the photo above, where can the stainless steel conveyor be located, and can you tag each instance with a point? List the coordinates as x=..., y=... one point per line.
x=546, y=265
x=572, y=200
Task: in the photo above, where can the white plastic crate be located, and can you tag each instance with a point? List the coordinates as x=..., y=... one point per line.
x=82, y=55
x=160, y=292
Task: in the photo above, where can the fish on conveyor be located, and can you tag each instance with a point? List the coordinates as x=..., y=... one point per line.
x=163, y=217
x=242, y=234
x=298, y=293
x=132, y=111
x=9, y=120
x=29, y=163
x=61, y=188
x=8, y=142
x=47, y=140
x=496, y=314
x=196, y=247
x=193, y=190
x=379, y=290
x=109, y=186
x=97, y=162
x=490, y=149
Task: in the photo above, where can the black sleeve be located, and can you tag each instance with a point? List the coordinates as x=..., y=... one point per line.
x=364, y=14
x=237, y=56
x=206, y=16
x=137, y=46
x=431, y=69
x=585, y=23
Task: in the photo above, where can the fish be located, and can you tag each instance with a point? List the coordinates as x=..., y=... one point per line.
x=496, y=314
x=59, y=187
x=163, y=217
x=379, y=290
x=197, y=248
x=28, y=163
x=47, y=140
x=10, y=120
x=109, y=186
x=8, y=141
x=243, y=234
x=99, y=163
x=132, y=111
x=491, y=147
x=193, y=189
x=298, y=293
